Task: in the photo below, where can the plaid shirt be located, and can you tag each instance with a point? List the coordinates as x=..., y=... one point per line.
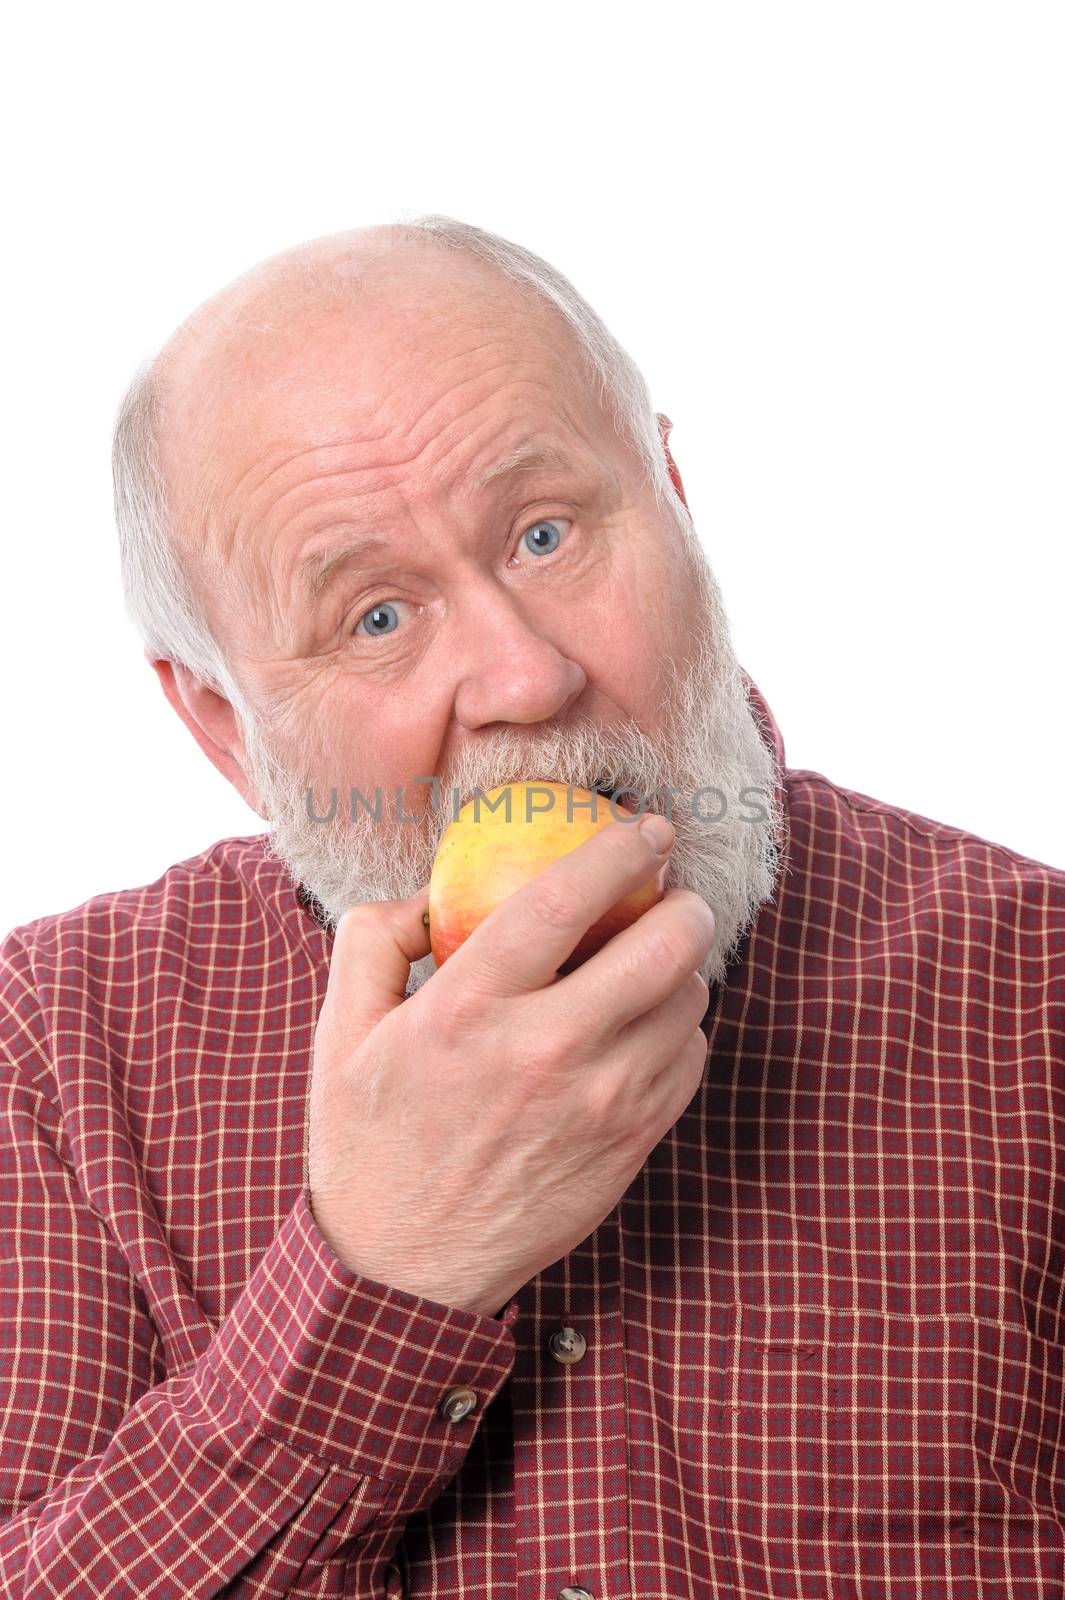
x=817, y=1349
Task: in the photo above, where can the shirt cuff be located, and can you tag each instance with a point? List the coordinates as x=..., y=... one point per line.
x=349, y=1369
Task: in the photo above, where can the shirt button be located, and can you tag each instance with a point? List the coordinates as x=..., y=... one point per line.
x=577, y=1592
x=457, y=1403
x=567, y=1346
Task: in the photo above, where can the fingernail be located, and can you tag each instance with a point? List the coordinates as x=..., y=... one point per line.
x=658, y=831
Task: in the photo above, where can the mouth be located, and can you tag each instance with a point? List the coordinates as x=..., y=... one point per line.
x=629, y=799
x=613, y=793
x=606, y=789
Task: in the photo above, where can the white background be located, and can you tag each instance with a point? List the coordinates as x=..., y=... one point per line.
x=831, y=235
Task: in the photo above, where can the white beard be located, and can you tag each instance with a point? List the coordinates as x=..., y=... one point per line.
x=711, y=741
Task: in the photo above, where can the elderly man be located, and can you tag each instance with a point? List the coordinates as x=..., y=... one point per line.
x=729, y=1262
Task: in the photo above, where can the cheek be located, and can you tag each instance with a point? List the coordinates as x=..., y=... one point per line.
x=631, y=675
x=384, y=738
x=641, y=626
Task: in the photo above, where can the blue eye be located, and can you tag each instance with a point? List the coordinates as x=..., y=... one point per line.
x=382, y=619
x=543, y=538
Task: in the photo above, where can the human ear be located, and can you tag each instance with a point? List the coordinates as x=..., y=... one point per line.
x=211, y=720
x=664, y=428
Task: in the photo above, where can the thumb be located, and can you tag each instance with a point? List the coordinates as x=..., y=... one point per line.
x=373, y=948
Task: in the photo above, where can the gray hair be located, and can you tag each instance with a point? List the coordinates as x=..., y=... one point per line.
x=160, y=599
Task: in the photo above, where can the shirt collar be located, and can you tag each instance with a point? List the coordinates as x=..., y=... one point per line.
x=771, y=735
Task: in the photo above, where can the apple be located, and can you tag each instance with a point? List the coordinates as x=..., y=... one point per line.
x=484, y=856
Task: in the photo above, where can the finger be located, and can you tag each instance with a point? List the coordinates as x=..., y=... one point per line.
x=667, y=1097
x=631, y=1065
x=373, y=948
x=639, y=967
x=627, y=1082
x=649, y=1045
x=520, y=946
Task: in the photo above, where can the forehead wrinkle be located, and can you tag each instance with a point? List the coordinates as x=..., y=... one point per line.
x=231, y=370
x=286, y=457
x=243, y=513
x=407, y=462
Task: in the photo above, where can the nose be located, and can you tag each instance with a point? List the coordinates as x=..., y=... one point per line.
x=509, y=670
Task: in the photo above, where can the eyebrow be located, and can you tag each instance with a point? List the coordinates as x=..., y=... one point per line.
x=525, y=456
x=317, y=570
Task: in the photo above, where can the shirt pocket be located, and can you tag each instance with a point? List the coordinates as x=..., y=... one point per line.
x=946, y=1447
x=869, y=1456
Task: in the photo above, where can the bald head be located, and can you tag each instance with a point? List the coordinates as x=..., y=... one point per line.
x=275, y=301
x=349, y=316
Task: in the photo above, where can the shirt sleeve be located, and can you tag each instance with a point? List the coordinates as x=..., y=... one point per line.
x=287, y=1459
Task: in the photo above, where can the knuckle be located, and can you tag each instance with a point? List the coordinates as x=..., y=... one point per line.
x=553, y=907
x=629, y=845
x=625, y=835
x=698, y=923
x=363, y=923
x=542, y=1061
x=672, y=947
x=602, y=1099
x=699, y=1048
x=618, y=844
x=459, y=1013
x=357, y=916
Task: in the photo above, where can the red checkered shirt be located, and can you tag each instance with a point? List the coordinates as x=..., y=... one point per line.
x=817, y=1349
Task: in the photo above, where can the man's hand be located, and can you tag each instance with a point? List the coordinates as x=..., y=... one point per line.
x=465, y=1138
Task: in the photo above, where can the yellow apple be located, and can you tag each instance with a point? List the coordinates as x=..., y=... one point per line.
x=484, y=856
